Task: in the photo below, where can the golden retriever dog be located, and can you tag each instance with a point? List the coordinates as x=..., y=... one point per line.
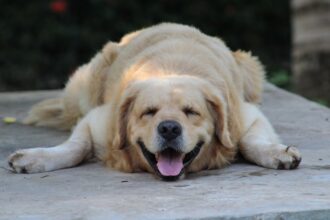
x=166, y=99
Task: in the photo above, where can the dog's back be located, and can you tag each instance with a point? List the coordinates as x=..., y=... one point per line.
x=103, y=75
x=174, y=41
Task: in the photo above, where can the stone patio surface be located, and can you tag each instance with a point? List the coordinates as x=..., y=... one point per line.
x=240, y=191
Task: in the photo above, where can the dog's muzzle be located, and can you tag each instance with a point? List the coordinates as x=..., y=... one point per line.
x=169, y=163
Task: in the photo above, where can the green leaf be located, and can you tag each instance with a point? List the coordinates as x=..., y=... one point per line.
x=280, y=78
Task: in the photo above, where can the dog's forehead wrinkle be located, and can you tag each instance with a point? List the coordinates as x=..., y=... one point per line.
x=170, y=100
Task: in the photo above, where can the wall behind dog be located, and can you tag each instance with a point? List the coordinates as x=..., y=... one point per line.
x=42, y=42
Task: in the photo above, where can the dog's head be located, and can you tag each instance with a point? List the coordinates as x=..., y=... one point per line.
x=170, y=121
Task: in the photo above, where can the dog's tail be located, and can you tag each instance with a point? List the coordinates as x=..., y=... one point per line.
x=52, y=113
x=253, y=75
x=63, y=112
x=83, y=92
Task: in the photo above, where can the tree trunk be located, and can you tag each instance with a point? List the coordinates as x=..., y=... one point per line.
x=311, y=48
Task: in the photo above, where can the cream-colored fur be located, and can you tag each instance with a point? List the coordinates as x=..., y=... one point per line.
x=166, y=66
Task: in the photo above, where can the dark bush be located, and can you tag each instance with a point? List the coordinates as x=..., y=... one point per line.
x=42, y=42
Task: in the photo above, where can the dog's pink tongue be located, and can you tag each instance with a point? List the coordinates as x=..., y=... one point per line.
x=170, y=166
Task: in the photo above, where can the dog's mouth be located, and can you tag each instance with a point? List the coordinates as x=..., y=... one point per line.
x=170, y=163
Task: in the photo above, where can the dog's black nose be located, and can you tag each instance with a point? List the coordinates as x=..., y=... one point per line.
x=169, y=129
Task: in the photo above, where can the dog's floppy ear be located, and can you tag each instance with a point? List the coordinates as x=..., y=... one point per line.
x=121, y=116
x=218, y=108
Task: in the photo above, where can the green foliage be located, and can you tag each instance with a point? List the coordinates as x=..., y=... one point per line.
x=322, y=102
x=41, y=47
x=280, y=78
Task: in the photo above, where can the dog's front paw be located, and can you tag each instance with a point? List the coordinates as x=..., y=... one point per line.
x=281, y=157
x=288, y=159
x=27, y=161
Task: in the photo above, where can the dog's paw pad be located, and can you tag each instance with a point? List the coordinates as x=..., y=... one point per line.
x=289, y=159
x=23, y=161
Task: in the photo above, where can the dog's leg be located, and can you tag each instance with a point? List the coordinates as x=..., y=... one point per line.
x=261, y=145
x=77, y=148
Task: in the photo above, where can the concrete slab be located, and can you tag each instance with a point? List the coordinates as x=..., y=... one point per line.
x=240, y=191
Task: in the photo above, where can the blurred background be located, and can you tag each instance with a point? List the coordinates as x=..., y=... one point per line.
x=43, y=41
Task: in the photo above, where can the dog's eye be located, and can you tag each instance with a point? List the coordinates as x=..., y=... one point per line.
x=189, y=111
x=149, y=112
